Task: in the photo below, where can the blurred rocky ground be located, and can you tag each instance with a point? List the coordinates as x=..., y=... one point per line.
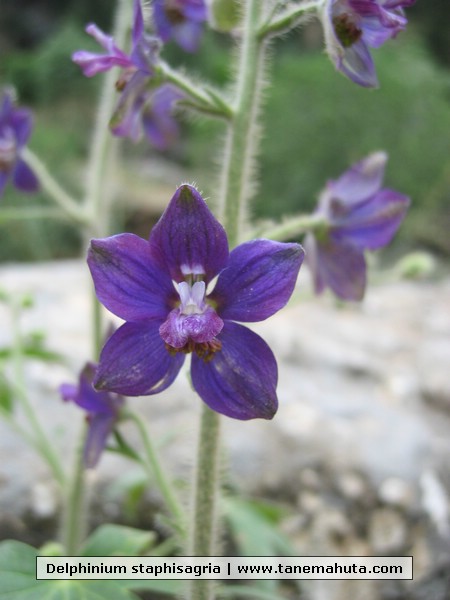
x=360, y=446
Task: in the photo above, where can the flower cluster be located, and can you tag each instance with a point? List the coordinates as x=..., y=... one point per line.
x=15, y=129
x=143, y=107
x=353, y=26
x=181, y=292
x=102, y=409
x=357, y=214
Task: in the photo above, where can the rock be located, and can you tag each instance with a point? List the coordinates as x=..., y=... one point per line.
x=363, y=415
x=388, y=533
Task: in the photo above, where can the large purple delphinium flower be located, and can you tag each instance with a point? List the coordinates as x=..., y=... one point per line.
x=352, y=26
x=138, y=68
x=15, y=129
x=161, y=288
x=181, y=20
x=102, y=410
x=357, y=215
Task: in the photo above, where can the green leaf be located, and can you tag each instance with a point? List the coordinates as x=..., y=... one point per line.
x=118, y=540
x=254, y=526
x=18, y=580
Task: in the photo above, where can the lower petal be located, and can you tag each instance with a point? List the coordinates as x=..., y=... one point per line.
x=100, y=428
x=341, y=267
x=24, y=178
x=135, y=362
x=240, y=380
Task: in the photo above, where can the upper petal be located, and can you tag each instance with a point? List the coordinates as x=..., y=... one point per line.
x=338, y=265
x=240, y=380
x=362, y=180
x=188, y=238
x=372, y=224
x=135, y=362
x=258, y=281
x=127, y=279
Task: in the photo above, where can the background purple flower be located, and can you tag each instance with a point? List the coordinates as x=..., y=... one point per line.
x=151, y=115
x=352, y=26
x=161, y=288
x=181, y=20
x=15, y=129
x=358, y=215
x=102, y=409
x=138, y=68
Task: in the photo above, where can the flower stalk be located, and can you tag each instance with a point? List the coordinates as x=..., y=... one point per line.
x=288, y=19
x=236, y=189
x=155, y=469
x=237, y=182
x=207, y=480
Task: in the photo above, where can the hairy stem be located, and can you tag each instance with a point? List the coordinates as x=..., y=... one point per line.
x=203, y=538
x=293, y=227
x=74, y=523
x=237, y=183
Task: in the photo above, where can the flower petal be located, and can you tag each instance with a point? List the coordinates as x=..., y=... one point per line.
x=135, y=362
x=188, y=238
x=372, y=224
x=258, y=281
x=337, y=265
x=100, y=427
x=24, y=178
x=188, y=35
x=240, y=380
x=128, y=280
x=357, y=63
x=361, y=181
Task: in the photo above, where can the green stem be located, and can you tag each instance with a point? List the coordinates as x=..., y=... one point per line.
x=153, y=464
x=53, y=188
x=74, y=524
x=99, y=188
x=203, y=539
x=242, y=136
x=293, y=227
x=41, y=441
x=38, y=212
x=288, y=19
x=203, y=100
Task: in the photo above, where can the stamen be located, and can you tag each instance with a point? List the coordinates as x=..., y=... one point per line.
x=346, y=31
x=204, y=350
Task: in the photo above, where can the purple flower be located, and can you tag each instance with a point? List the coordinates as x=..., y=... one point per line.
x=352, y=26
x=138, y=68
x=151, y=114
x=102, y=410
x=181, y=20
x=162, y=289
x=358, y=214
x=15, y=129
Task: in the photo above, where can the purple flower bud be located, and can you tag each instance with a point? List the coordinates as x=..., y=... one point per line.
x=162, y=289
x=102, y=411
x=352, y=26
x=15, y=129
x=358, y=215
